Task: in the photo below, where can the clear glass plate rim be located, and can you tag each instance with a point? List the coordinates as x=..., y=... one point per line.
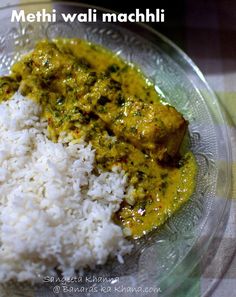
x=185, y=60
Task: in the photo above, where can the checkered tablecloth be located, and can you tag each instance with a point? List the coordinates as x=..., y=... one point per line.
x=210, y=40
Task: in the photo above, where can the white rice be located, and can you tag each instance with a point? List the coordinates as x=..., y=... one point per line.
x=54, y=212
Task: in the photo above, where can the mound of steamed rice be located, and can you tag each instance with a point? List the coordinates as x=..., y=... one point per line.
x=54, y=211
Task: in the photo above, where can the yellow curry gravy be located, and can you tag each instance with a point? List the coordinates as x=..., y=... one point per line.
x=91, y=93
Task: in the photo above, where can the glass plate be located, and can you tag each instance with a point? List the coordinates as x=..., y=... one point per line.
x=163, y=260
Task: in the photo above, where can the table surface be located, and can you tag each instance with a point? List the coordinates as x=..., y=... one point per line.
x=211, y=43
x=206, y=31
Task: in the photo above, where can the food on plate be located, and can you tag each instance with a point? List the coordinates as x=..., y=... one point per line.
x=119, y=173
x=108, y=91
x=56, y=209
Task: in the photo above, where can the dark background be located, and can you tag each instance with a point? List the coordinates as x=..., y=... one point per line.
x=204, y=29
x=174, y=13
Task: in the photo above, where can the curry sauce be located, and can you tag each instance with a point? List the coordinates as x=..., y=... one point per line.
x=92, y=94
